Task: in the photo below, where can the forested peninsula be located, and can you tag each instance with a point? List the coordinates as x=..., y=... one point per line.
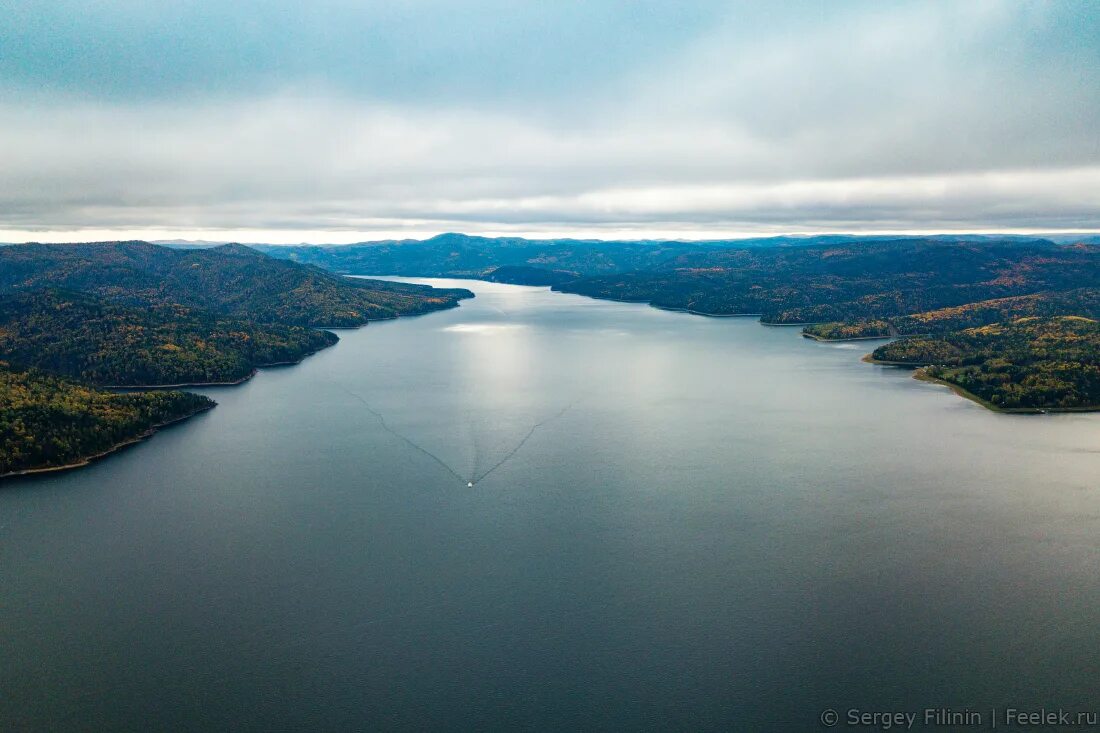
x=48, y=423
x=100, y=342
x=1028, y=364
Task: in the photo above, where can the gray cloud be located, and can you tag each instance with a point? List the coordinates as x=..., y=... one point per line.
x=335, y=121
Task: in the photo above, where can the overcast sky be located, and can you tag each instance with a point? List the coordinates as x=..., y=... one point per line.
x=335, y=121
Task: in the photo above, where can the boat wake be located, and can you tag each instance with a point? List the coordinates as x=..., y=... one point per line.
x=474, y=477
x=408, y=441
x=511, y=454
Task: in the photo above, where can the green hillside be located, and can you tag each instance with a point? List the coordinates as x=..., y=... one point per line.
x=1079, y=302
x=230, y=280
x=48, y=422
x=1028, y=363
x=850, y=282
x=100, y=342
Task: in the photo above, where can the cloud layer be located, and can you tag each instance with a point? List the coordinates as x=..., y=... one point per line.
x=332, y=122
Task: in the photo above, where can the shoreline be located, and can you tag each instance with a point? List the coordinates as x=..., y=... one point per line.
x=255, y=370
x=651, y=304
x=456, y=304
x=824, y=340
x=923, y=376
x=699, y=313
x=86, y=460
x=867, y=338
x=242, y=380
x=868, y=358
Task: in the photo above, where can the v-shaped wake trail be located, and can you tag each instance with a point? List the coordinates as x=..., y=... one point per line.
x=411, y=443
x=522, y=442
x=475, y=478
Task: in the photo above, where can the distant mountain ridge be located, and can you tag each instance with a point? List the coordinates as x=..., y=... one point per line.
x=754, y=241
x=463, y=255
x=460, y=255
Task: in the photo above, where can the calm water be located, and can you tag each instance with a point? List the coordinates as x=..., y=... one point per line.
x=714, y=525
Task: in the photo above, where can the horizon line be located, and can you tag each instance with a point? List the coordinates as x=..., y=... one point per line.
x=281, y=238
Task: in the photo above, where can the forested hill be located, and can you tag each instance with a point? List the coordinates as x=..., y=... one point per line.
x=1083, y=302
x=101, y=342
x=230, y=280
x=1028, y=363
x=863, y=280
x=134, y=313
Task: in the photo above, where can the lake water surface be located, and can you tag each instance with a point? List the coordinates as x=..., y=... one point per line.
x=676, y=522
